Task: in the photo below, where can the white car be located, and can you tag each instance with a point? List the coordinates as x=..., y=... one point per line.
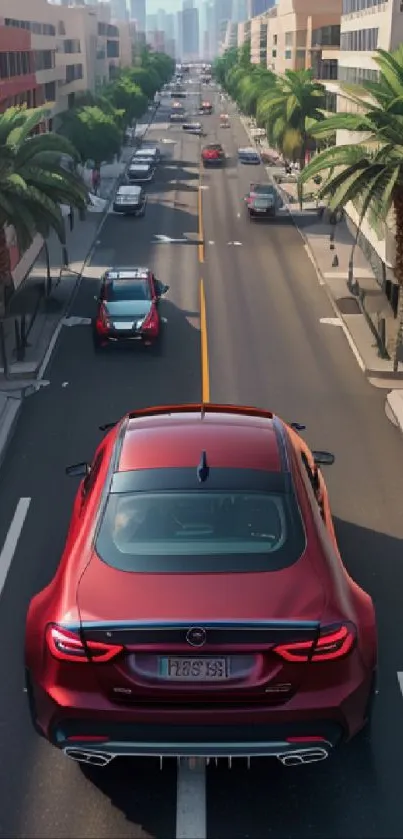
x=249, y=155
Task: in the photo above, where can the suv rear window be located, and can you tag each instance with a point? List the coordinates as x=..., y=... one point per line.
x=195, y=530
x=127, y=290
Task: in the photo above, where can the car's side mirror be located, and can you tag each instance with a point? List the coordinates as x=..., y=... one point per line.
x=78, y=470
x=160, y=288
x=323, y=458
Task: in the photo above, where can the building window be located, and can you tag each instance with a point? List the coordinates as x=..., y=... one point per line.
x=359, y=40
x=356, y=75
x=331, y=102
x=14, y=64
x=326, y=36
x=74, y=72
x=33, y=26
x=44, y=59
x=288, y=55
x=112, y=49
x=289, y=39
x=350, y=6
x=275, y=40
x=50, y=91
x=274, y=53
x=71, y=46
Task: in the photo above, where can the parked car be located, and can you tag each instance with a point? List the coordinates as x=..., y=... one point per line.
x=130, y=200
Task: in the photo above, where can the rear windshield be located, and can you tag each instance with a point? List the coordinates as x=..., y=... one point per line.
x=262, y=189
x=213, y=147
x=127, y=290
x=200, y=530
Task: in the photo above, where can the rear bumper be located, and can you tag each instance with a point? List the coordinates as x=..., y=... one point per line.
x=96, y=726
x=266, y=214
x=128, y=210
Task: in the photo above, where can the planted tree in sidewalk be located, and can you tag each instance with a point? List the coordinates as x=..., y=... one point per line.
x=290, y=110
x=128, y=98
x=369, y=173
x=33, y=185
x=147, y=80
x=93, y=133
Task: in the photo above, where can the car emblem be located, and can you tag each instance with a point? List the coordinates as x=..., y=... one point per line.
x=196, y=636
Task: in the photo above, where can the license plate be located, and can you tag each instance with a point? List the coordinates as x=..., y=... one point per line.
x=194, y=669
x=260, y=209
x=123, y=326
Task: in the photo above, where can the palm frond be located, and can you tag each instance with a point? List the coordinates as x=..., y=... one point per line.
x=20, y=133
x=42, y=143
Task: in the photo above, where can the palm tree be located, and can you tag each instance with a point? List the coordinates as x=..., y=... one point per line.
x=370, y=173
x=288, y=111
x=256, y=82
x=33, y=185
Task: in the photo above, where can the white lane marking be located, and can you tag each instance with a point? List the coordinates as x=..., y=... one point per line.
x=238, y=215
x=400, y=680
x=204, y=186
x=11, y=542
x=75, y=321
x=238, y=244
x=49, y=351
x=331, y=321
x=211, y=242
x=191, y=801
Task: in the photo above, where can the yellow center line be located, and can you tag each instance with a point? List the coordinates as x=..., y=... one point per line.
x=200, y=217
x=205, y=370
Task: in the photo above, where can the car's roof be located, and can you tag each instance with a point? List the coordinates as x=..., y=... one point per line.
x=247, y=150
x=127, y=273
x=177, y=440
x=145, y=152
x=129, y=190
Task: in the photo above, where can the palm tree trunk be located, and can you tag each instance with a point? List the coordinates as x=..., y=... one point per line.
x=6, y=279
x=398, y=205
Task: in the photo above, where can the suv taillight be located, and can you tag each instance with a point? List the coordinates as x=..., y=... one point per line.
x=103, y=323
x=333, y=643
x=66, y=645
x=151, y=322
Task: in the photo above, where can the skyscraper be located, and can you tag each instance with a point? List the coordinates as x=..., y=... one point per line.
x=257, y=7
x=190, y=31
x=119, y=9
x=138, y=13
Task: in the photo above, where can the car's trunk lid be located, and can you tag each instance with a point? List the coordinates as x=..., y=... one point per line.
x=206, y=636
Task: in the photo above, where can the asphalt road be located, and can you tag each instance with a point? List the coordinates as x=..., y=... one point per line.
x=265, y=346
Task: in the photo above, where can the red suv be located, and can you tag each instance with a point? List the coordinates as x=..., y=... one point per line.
x=212, y=154
x=201, y=606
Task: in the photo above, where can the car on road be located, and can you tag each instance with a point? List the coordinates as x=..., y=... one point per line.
x=178, y=113
x=206, y=108
x=140, y=172
x=249, y=155
x=128, y=308
x=213, y=154
x=130, y=200
x=224, y=121
x=262, y=201
x=149, y=154
x=201, y=606
x=193, y=127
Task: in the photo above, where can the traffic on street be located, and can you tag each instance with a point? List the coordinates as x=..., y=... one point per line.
x=238, y=318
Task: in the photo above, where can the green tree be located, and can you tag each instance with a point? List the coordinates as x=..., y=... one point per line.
x=290, y=110
x=369, y=173
x=127, y=97
x=147, y=80
x=92, y=132
x=245, y=82
x=33, y=184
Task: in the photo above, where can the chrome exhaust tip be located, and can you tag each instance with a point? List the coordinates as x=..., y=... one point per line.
x=309, y=756
x=92, y=758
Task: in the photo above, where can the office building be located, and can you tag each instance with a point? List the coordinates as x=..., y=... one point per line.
x=137, y=11
x=190, y=31
x=119, y=10
x=258, y=7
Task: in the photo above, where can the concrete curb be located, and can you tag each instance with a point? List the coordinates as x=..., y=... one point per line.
x=8, y=421
x=394, y=408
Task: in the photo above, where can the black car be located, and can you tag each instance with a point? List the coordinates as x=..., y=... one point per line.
x=128, y=308
x=262, y=201
x=130, y=200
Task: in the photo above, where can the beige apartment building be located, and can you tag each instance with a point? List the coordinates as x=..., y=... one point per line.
x=367, y=25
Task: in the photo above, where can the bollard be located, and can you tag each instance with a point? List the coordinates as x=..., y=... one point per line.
x=335, y=263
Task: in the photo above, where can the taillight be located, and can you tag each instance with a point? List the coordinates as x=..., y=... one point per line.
x=332, y=643
x=151, y=322
x=103, y=322
x=67, y=646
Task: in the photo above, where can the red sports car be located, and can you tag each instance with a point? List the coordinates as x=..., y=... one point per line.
x=212, y=154
x=128, y=308
x=201, y=607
